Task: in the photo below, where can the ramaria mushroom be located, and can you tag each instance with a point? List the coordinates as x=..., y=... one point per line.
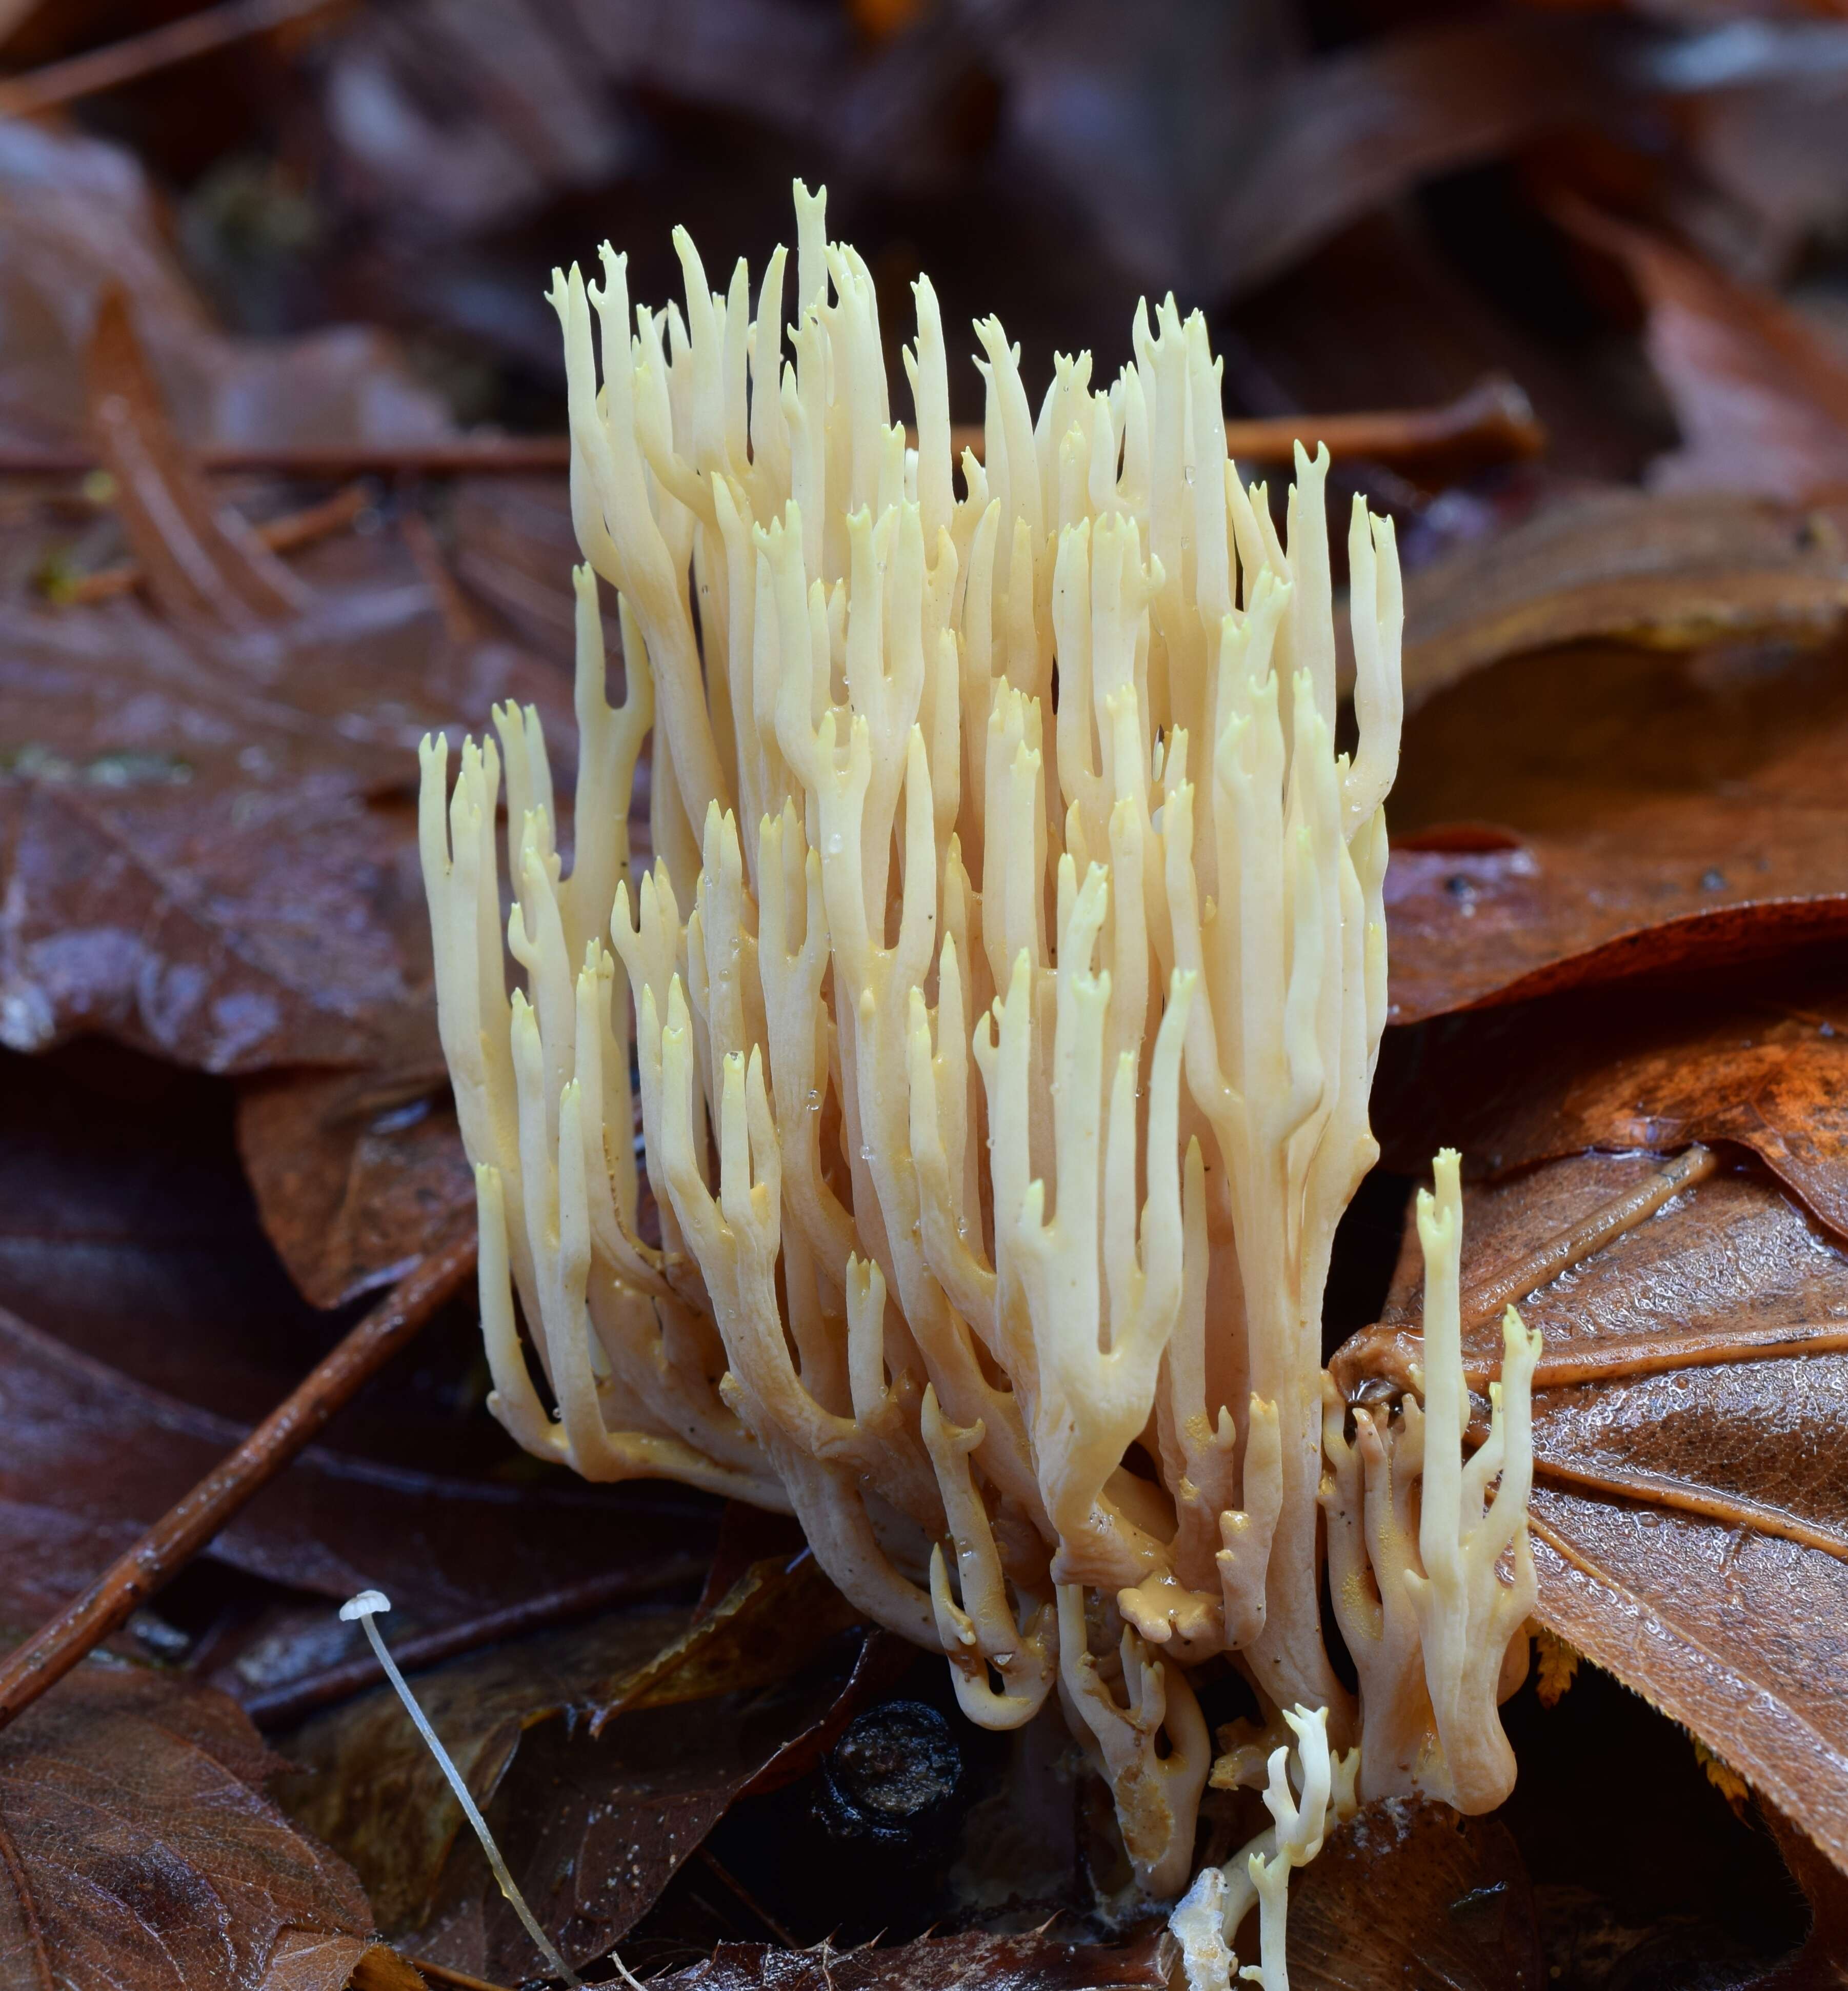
x=1004, y=993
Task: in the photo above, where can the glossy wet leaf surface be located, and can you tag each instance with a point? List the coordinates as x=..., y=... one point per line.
x=137, y=1848
x=1621, y=821
x=1587, y=815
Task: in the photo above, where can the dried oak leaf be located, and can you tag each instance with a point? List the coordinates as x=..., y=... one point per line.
x=1407, y=1896
x=90, y=1458
x=1591, y=814
x=137, y=1849
x=601, y=1756
x=1690, y=1514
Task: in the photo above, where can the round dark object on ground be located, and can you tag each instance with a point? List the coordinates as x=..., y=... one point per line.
x=892, y=1776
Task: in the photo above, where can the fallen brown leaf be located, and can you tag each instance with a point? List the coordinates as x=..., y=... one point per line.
x=1822, y=1963
x=1755, y=1060
x=137, y=1848
x=90, y=1458
x=353, y=1172
x=1761, y=399
x=1590, y=814
x=1667, y=571
x=1407, y=1896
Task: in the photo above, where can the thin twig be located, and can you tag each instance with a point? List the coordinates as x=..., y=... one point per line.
x=746, y=1898
x=1491, y=424
x=284, y=1706
x=281, y=536
x=186, y=1528
x=60, y=83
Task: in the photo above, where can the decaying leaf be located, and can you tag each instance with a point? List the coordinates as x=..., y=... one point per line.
x=1666, y=571
x=353, y=1171
x=137, y=1848
x=1690, y=1455
x=1407, y=1896
x=90, y=1459
x=1754, y=1059
x=1591, y=815
x=1823, y=1961
x=594, y=1815
x=1761, y=400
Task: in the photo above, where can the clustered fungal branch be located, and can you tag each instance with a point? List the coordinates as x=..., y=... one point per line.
x=1002, y=999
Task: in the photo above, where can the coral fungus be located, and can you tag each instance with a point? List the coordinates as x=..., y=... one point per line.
x=1002, y=997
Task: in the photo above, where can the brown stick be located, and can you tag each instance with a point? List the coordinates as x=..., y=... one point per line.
x=281, y=535
x=743, y=1895
x=1491, y=424
x=60, y=83
x=1579, y=1241
x=282, y=1707
x=185, y=1528
x=441, y=1973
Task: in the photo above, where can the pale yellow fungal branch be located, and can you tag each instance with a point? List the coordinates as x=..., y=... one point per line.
x=1000, y=1005
x=1206, y=1922
x=1432, y=1575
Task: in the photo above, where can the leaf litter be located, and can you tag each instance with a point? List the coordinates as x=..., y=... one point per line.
x=207, y=855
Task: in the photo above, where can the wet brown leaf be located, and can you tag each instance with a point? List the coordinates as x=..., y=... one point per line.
x=1035, y=1962
x=208, y=849
x=1407, y=1896
x=1758, y=1061
x=601, y=1756
x=137, y=1849
x=90, y=1458
x=1590, y=815
x=1690, y=1505
x=1667, y=571
x=353, y=1171
x=1761, y=396
x=1821, y=1964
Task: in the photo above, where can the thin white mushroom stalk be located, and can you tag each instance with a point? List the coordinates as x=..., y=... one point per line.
x=999, y=1007
x=1305, y=1788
